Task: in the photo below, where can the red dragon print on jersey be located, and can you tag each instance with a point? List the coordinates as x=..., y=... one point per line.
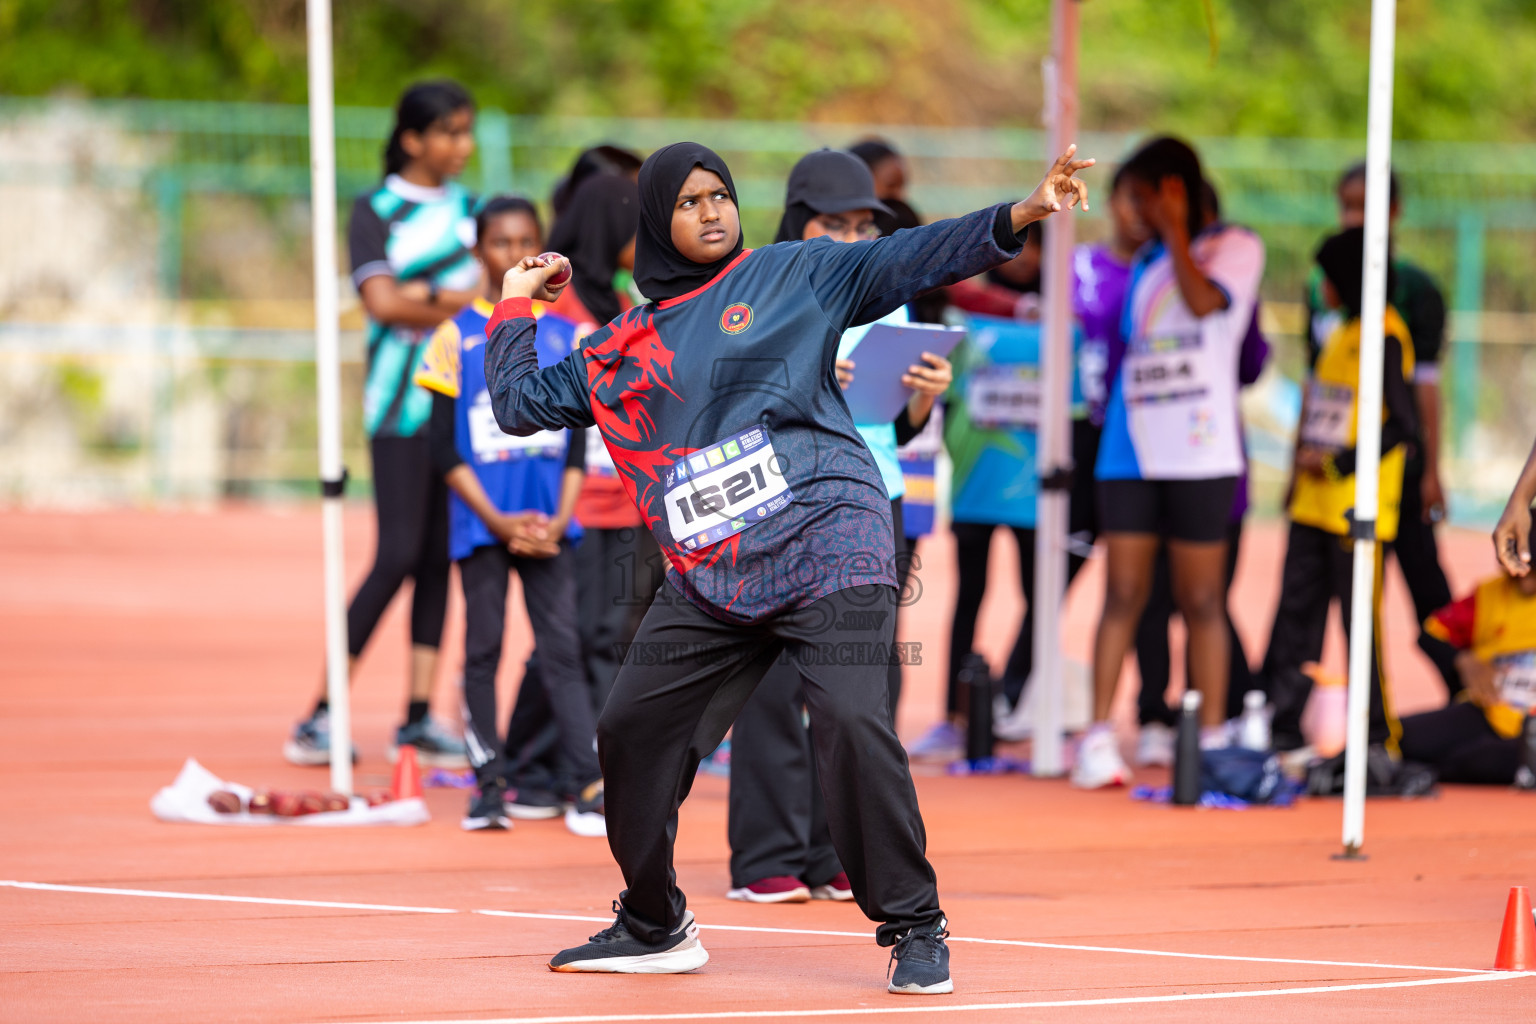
x=626, y=372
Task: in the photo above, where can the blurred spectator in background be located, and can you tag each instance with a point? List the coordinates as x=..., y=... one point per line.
x=1154, y=745
x=618, y=564
x=1319, y=556
x=1419, y=302
x=604, y=159
x=1101, y=277
x=410, y=242
x=1172, y=449
x=781, y=846
x=889, y=169
x=1478, y=737
x=511, y=511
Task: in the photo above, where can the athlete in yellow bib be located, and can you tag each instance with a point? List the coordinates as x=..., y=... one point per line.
x=1318, y=558
x=1477, y=738
x=1324, y=495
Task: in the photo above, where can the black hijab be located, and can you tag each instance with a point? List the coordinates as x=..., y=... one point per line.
x=598, y=223
x=661, y=272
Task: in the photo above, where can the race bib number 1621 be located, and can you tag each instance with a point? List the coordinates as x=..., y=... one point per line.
x=725, y=488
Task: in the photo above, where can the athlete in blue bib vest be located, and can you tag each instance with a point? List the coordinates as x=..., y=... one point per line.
x=510, y=510
x=719, y=403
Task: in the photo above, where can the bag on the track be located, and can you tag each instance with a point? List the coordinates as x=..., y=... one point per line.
x=1252, y=776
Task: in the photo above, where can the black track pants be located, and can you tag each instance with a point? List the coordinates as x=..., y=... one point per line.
x=1317, y=572
x=549, y=590
x=684, y=680
x=1461, y=746
x=778, y=820
x=1418, y=555
x=777, y=823
x=411, y=502
x=973, y=552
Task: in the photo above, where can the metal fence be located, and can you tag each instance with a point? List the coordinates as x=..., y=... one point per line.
x=202, y=213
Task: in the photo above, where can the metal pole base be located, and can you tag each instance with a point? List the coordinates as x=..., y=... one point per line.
x=1349, y=853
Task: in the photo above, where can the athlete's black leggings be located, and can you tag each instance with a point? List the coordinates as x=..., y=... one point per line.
x=411, y=501
x=973, y=550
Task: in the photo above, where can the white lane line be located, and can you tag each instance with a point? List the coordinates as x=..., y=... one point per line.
x=920, y=1005
x=215, y=898
x=272, y=901
x=1021, y=942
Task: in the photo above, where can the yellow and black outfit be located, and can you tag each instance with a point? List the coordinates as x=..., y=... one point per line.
x=1319, y=552
x=1465, y=742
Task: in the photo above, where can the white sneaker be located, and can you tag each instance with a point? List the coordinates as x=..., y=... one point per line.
x=1099, y=763
x=1219, y=737
x=1017, y=725
x=1154, y=747
x=587, y=824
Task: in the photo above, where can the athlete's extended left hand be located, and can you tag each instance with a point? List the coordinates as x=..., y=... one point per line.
x=530, y=279
x=1059, y=184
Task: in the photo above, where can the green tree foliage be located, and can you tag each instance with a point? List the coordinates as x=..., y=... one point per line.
x=1295, y=67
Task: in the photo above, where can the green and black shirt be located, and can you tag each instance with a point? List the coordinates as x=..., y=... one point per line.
x=411, y=233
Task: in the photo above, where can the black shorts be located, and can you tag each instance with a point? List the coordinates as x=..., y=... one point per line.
x=1194, y=511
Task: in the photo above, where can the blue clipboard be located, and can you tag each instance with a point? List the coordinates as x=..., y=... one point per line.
x=882, y=357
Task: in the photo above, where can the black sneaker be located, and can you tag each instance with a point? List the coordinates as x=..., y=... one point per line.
x=615, y=951
x=486, y=811
x=530, y=804
x=922, y=963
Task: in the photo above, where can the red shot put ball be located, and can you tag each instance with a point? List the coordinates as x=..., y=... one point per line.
x=561, y=276
x=225, y=802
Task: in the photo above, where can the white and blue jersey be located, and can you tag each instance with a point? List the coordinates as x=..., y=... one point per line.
x=519, y=474
x=1172, y=411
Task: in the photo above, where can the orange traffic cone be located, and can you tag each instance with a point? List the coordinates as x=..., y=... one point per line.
x=407, y=783
x=1517, y=943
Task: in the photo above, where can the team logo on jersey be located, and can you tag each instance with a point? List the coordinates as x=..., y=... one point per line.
x=736, y=318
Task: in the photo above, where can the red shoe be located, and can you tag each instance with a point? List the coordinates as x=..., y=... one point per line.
x=836, y=888
x=782, y=889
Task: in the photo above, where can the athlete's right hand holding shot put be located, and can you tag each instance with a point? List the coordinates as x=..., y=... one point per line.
x=719, y=403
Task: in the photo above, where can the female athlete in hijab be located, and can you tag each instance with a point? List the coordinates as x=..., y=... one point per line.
x=719, y=403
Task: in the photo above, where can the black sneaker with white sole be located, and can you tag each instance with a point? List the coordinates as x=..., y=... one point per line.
x=922, y=963
x=532, y=804
x=487, y=811
x=615, y=950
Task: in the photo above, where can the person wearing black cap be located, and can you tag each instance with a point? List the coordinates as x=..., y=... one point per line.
x=781, y=847
x=720, y=405
x=1318, y=559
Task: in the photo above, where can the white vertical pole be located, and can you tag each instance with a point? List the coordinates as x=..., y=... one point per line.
x=322, y=179
x=1054, y=453
x=1373, y=304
